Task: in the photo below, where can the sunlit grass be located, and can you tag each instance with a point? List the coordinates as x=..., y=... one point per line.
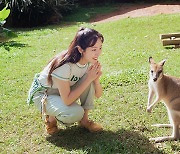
x=127, y=127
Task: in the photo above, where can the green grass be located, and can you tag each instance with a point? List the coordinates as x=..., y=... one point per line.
x=122, y=109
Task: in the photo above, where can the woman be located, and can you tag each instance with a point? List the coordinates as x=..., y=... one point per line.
x=71, y=75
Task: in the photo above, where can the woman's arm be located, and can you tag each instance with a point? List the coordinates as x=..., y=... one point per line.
x=98, y=88
x=68, y=95
x=97, y=84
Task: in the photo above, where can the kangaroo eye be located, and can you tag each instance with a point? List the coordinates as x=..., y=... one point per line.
x=160, y=71
x=151, y=71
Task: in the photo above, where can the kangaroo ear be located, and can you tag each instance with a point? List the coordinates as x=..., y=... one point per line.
x=151, y=60
x=162, y=62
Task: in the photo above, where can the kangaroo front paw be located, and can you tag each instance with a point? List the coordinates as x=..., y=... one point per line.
x=149, y=110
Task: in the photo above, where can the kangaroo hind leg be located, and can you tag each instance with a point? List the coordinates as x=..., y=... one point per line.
x=175, y=135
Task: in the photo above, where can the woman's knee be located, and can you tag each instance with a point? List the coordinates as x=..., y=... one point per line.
x=72, y=116
x=77, y=115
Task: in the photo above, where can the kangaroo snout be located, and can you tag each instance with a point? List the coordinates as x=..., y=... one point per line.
x=155, y=79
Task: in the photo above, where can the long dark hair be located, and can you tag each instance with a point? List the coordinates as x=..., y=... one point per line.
x=84, y=38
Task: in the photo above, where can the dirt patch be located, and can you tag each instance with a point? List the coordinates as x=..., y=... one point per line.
x=127, y=10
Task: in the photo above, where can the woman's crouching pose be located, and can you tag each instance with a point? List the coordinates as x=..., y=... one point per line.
x=69, y=76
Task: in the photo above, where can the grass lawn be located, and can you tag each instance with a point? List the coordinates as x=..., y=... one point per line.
x=122, y=109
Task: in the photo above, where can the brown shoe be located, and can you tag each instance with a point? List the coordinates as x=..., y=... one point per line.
x=92, y=126
x=51, y=127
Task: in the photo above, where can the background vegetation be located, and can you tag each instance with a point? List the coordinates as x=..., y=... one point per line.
x=32, y=13
x=122, y=109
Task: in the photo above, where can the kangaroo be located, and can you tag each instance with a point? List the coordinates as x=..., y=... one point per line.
x=166, y=88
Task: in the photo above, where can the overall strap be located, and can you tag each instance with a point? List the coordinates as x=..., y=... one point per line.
x=43, y=104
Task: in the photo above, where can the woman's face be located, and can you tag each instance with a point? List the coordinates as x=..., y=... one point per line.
x=91, y=54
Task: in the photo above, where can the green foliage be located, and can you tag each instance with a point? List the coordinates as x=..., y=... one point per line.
x=31, y=13
x=4, y=32
x=4, y=14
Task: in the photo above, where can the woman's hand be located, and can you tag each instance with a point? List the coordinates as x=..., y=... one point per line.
x=97, y=84
x=93, y=75
x=94, y=72
x=99, y=74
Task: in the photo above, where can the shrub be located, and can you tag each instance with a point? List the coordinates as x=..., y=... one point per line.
x=31, y=13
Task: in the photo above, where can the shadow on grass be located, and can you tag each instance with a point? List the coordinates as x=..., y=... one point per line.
x=14, y=44
x=171, y=47
x=122, y=141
